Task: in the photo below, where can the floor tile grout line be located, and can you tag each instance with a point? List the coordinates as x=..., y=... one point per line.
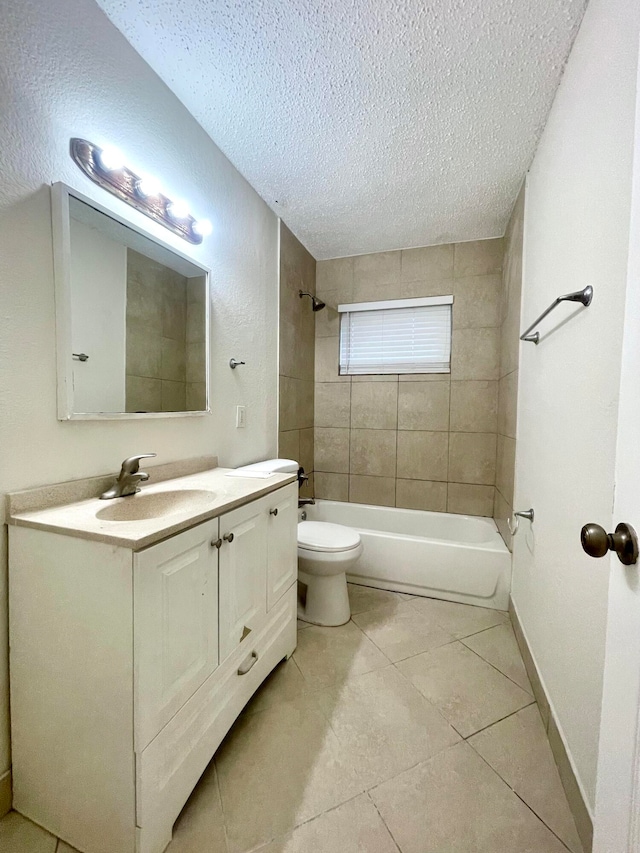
x=502, y=719
x=533, y=812
x=384, y=823
x=513, y=790
x=529, y=692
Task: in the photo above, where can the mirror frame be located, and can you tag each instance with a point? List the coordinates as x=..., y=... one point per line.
x=60, y=220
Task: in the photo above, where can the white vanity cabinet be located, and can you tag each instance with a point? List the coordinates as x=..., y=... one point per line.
x=129, y=667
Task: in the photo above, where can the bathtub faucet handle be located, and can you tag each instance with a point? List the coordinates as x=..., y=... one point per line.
x=525, y=513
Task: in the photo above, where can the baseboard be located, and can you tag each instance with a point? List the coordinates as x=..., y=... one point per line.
x=581, y=816
x=5, y=793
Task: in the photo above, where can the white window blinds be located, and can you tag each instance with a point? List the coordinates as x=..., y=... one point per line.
x=396, y=336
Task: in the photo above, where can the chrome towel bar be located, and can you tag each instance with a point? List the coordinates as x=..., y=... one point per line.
x=584, y=296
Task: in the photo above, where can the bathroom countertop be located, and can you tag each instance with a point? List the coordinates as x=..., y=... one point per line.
x=80, y=518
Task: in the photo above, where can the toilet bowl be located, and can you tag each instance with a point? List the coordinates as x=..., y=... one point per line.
x=326, y=552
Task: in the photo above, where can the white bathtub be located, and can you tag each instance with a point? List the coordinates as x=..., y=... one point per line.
x=457, y=557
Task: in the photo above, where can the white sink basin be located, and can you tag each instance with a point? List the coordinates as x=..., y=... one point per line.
x=143, y=506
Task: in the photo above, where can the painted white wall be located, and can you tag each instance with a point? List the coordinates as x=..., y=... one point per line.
x=576, y=233
x=66, y=71
x=98, y=273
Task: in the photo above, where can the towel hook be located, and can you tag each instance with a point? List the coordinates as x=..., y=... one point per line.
x=525, y=513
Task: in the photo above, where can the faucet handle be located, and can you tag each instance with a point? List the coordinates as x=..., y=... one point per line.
x=131, y=465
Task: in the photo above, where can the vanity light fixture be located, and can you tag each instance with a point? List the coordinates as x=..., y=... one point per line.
x=105, y=167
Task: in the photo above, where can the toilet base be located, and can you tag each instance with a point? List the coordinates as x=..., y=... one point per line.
x=327, y=599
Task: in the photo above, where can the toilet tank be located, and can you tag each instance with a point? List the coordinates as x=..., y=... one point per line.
x=271, y=466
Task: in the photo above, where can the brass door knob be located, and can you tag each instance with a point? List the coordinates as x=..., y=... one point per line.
x=596, y=542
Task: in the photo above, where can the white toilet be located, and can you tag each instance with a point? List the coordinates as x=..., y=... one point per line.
x=326, y=552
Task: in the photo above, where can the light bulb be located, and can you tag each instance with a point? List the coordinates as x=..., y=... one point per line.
x=148, y=187
x=202, y=227
x=178, y=209
x=111, y=160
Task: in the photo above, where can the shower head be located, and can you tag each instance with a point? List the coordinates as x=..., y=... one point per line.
x=316, y=304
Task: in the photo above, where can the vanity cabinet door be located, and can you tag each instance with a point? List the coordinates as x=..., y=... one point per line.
x=175, y=625
x=282, y=544
x=243, y=573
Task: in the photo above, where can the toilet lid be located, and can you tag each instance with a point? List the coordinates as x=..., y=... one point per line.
x=324, y=536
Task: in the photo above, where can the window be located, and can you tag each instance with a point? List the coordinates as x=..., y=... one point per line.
x=396, y=336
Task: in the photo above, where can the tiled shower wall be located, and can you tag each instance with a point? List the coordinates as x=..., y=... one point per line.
x=297, y=327
x=421, y=441
x=509, y=362
x=156, y=335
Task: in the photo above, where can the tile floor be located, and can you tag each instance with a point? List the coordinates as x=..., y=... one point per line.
x=412, y=729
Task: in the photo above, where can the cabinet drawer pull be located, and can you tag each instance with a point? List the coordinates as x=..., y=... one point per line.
x=273, y=511
x=216, y=543
x=228, y=537
x=245, y=667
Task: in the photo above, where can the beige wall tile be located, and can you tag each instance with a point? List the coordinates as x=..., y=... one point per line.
x=196, y=321
x=474, y=406
x=173, y=363
x=143, y=351
x=501, y=512
x=306, y=450
x=174, y=396
x=304, y=403
x=506, y=463
x=428, y=263
x=327, y=322
x=421, y=494
x=508, y=404
x=331, y=487
x=373, y=452
x=375, y=377
x=143, y=394
x=196, y=396
x=376, y=269
x=472, y=458
x=307, y=489
x=197, y=289
x=174, y=316
x=422, y=455
x=336, y=275
x=478, y=257
x=477, y=302
x=424, y=377
x=196, y=367
x=332, y=450
x=431, y=287
x=289, y=445
x=470, y=500
x=288, y=343
x=333, y=404
x=380, y=491
x=288, y=404
x=374, y=405
x=326, y=361
x=144, y=303
x=475, y=353
x=424, y=405
x=369, y=292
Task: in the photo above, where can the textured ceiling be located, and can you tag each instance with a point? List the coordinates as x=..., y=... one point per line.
x=366, y=124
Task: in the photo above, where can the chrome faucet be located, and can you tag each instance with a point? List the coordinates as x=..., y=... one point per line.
x=128, y=478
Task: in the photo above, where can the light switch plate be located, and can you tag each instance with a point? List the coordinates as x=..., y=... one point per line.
x=241, y=417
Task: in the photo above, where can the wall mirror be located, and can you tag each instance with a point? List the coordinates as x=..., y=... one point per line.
x=132, y=318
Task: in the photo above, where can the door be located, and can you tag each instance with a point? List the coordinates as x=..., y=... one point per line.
x=243, y=573
x=175, y=592
x=617, y=813
x=282, y=544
